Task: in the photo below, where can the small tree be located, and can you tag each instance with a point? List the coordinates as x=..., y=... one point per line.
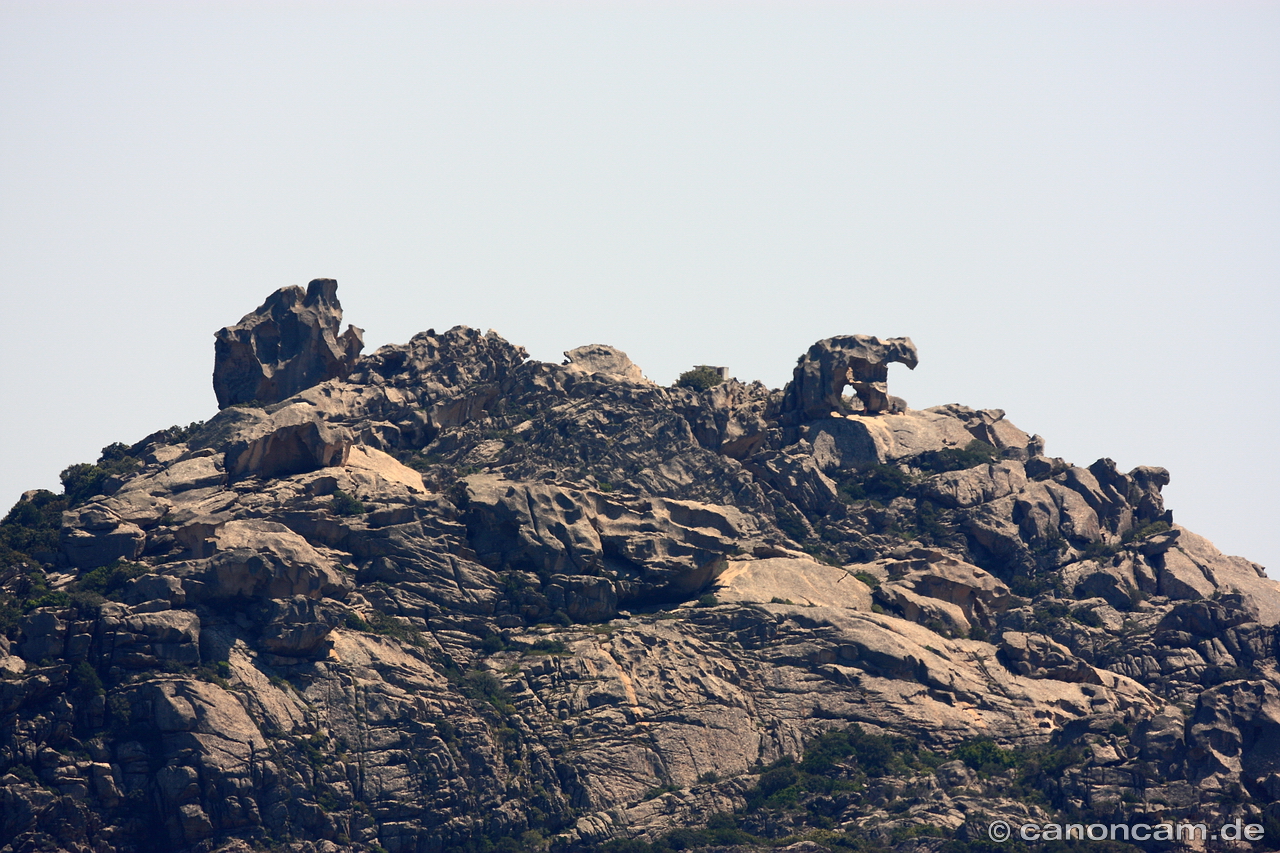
x=700, y=378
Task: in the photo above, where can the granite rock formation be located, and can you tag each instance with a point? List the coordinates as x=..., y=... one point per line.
x=442, y=597
x=290, y=343
x=859, y=362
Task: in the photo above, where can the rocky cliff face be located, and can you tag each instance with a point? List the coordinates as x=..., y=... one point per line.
x=442, y=597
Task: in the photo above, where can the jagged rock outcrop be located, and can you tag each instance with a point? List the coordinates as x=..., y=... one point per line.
x=290, y=343
x=859, y=362
x=444, y=596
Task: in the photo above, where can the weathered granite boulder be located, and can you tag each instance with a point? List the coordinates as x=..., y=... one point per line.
x=797, y=474
x=729, y=418
x=929, y=586
x=290, y=343
x=855, y=441
x=792, y=580
x=860, y=362
x=265, y=559
x=1235, y=735
x=595, y=359
x=88, y=549
x=292, y=440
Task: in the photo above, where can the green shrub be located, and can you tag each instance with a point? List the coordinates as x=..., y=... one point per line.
x=1146, y=531
x=390, y=626
x=654, y=793
x=545, y=647
x=82, y=481
x=83, y=681
x=219, y=674
x=791, y=523
x=868, y=579
x=178, y=434
x=110, y=579
x=1085, y=616
x=30, y=527
x=985, y=756
x=483, y=686
x=699, y=379
x=1099, y=551
x=878, y=482
x=345, y=505
x=973, y=454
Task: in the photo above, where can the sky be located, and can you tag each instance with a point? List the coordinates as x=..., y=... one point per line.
x=1072, y=208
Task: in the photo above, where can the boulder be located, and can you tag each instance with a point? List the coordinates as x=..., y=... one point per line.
x=860, y=362
x=44, y=636
x=145, y=640
x=290, y=343
x=256, y=558
x=87, y=548
x=728, y=418
x=583, y=599
x=197, y=471
x=978, y=485
x=1227, y=575
x=386, y=469
x=293, y=440
x=1235, y=733
x=604, y=361
x=927, y=584
x=855, y=441
x=796, y=473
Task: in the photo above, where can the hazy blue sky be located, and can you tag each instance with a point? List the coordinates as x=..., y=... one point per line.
x=1072, y=208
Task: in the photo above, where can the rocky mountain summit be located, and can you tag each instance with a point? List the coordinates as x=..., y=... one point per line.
x=443, y=597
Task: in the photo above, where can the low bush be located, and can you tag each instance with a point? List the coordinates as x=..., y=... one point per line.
x=82, y=481
x=110, y=579
x=1146, y=531
x=973, y=454
x=879, y=482
x=345, y=505
x=699, y=379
